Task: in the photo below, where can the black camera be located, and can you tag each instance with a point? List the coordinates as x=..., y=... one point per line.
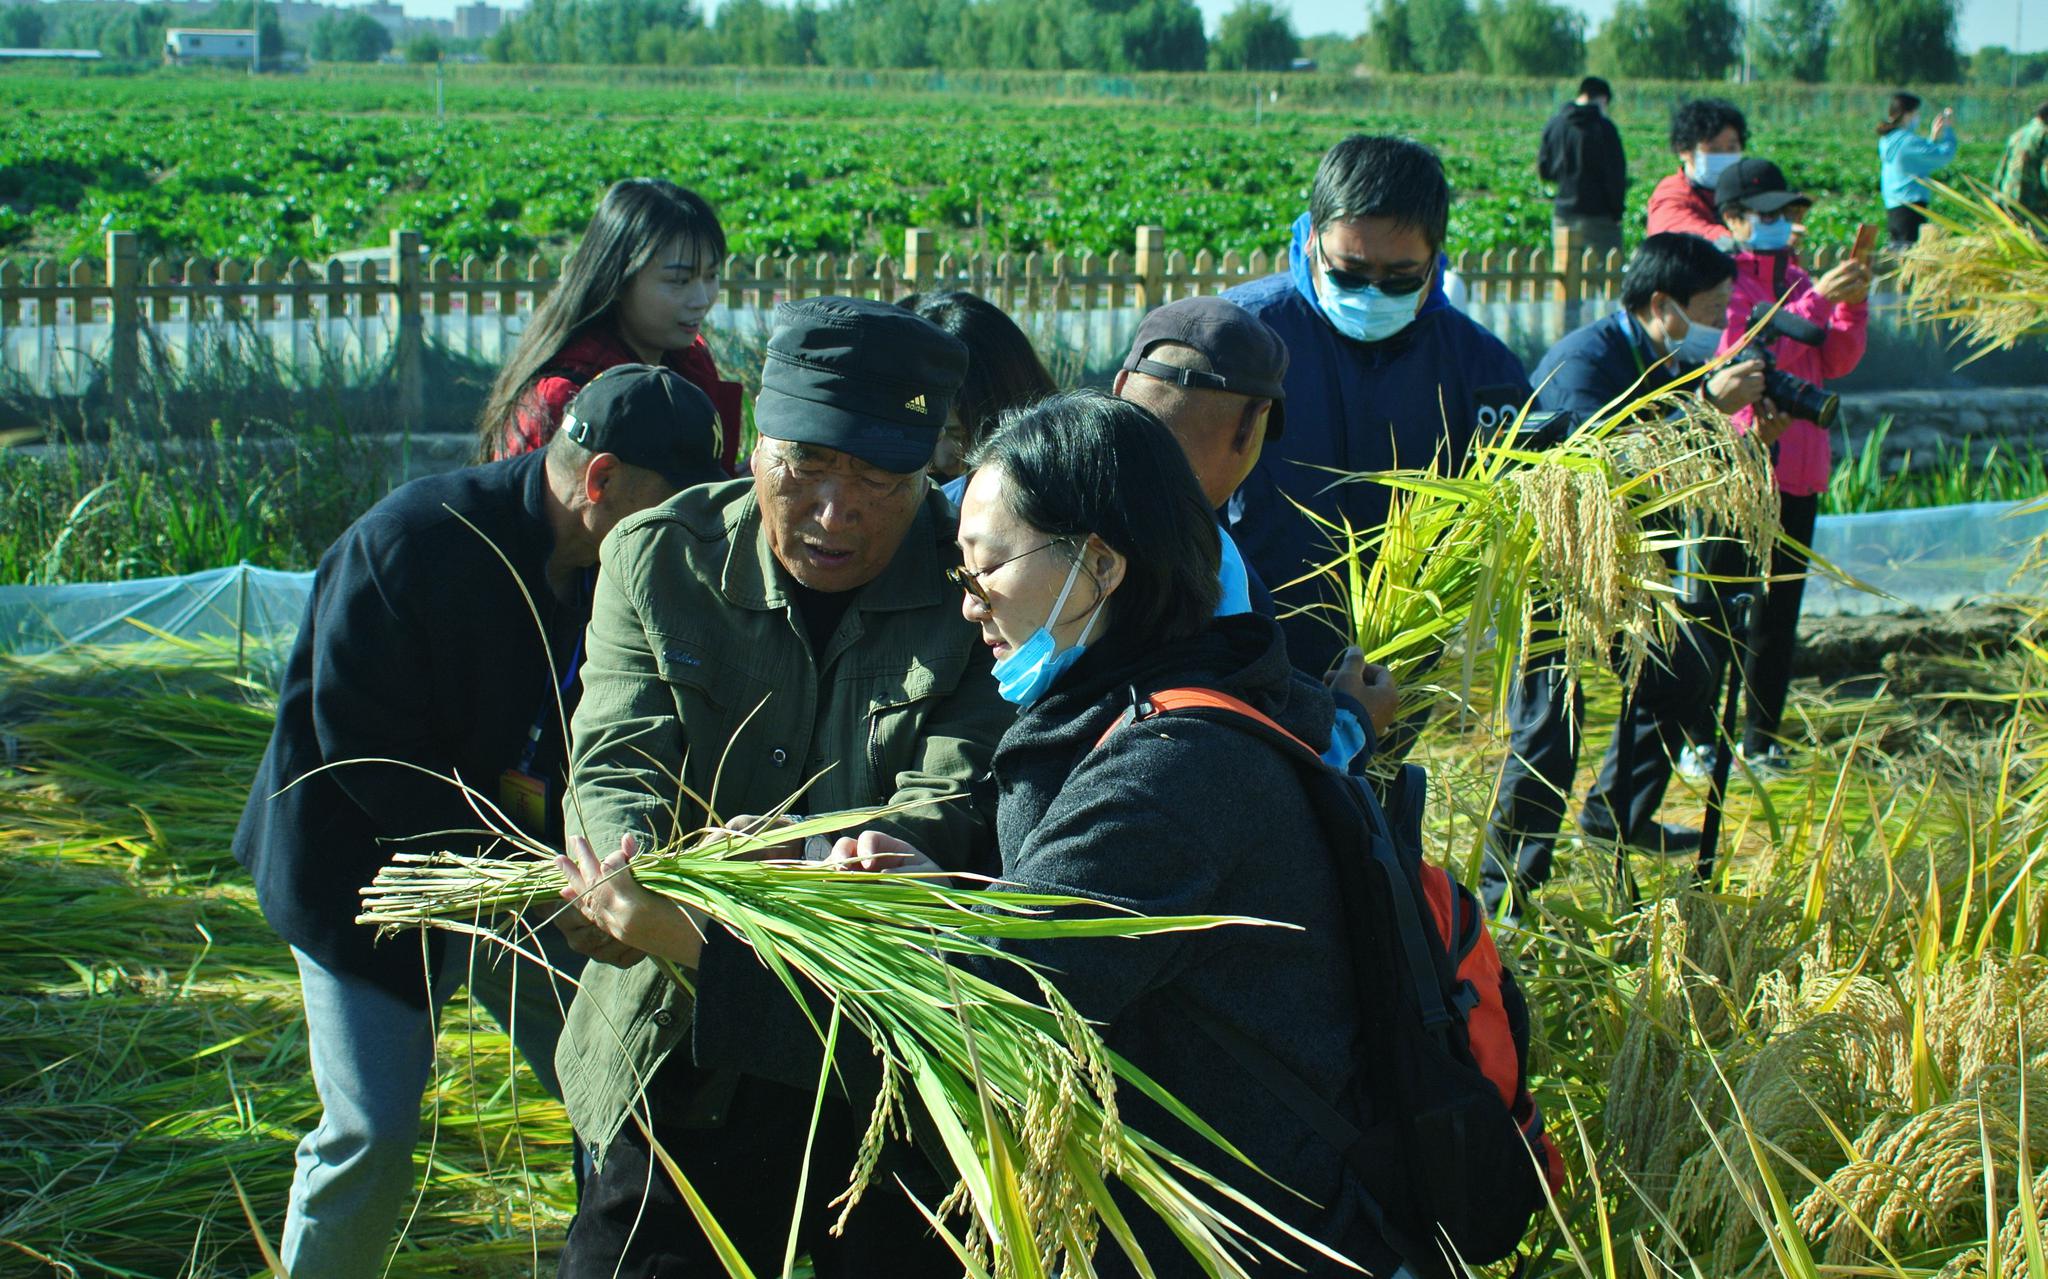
x=1794, y=395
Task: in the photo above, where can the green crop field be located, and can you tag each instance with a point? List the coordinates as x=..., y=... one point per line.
x=220, y=163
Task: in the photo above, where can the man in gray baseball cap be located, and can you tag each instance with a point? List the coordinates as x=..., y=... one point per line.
x=746, y=639
x=1213, y=373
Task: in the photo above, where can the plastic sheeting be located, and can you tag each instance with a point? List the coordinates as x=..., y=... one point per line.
x=256, y=609
x=1930, y=559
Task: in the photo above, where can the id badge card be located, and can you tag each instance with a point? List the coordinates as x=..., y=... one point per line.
x=524, y=798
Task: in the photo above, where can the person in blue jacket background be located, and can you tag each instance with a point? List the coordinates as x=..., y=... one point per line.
x=1904, y=157
x=1384, y=374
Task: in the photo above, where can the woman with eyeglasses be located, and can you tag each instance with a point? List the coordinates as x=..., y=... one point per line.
x=1089, y=561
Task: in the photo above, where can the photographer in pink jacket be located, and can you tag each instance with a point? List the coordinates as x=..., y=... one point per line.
x=1818, y=333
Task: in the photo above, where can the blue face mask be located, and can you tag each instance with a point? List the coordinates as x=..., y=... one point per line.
x=1708, y=166
x=1367, y=315
x=1771, y=236
x=1024, y=675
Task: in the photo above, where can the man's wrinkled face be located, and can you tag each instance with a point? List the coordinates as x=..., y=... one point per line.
x=832, y=521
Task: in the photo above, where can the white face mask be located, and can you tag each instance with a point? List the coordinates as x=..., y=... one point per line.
x=1699, y=342
x=1911, y=122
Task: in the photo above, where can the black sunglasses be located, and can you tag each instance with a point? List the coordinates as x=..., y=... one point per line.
x=1394, y=286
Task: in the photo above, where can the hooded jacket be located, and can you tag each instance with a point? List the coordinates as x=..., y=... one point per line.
x=1803, y=453
x=1418, y=396
x=1581, y=156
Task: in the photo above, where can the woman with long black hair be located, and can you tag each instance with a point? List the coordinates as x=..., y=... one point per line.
x=636, y=292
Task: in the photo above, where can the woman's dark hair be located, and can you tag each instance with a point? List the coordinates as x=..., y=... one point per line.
x=1594, y=87
x=1003, y=371
x=1902, y=105
x=1697, y=121
x=1380, y=176
x=2041, y=113
x=1081, y=462
x=1675, y=263
x=637, y=219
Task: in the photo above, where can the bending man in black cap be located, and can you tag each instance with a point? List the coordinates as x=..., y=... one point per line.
x=419, y=645
x=747, y=638
x=1214, y=374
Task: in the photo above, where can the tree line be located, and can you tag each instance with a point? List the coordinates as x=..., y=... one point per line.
x=1850, y=41
x=1855, y=41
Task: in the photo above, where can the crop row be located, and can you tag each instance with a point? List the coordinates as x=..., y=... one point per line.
x=244, y=170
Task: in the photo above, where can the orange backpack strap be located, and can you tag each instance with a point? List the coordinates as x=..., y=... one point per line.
x=1167, y=700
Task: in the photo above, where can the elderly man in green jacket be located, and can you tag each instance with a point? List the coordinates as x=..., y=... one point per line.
x=746, y=638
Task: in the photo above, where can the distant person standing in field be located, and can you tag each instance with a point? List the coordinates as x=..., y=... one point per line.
x=1003, y=372
x=1582, y=157
x=1707, y=135
x=2022, y=180
x=636, y=291
x=1384, y=373
x=1904, y=158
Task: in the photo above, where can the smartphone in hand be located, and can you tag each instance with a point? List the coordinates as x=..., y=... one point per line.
x=1866, y=242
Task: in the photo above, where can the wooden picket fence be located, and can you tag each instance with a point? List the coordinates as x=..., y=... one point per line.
x=404, y=286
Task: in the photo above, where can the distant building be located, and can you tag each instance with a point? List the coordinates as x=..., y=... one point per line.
x=206, y=44
x=385, y=14
x=475, y=21
x=48, y=55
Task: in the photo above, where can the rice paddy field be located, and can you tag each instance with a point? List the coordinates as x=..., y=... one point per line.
x=1829, y=1061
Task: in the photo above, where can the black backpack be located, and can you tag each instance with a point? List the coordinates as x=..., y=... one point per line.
x=1455, y=1159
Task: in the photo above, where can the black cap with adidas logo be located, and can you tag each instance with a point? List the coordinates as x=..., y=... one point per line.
x=862, y=377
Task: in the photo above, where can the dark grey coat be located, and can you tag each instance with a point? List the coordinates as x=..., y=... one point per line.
x=1170, y=817
x=1187, y=817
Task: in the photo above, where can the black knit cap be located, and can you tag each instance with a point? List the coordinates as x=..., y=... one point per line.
x=1245, y=356
x=862, y=377
x=651, y=417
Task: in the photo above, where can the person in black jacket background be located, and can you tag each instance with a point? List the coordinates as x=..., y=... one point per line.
x=1581, y=156
x=421, y=644
x=1673, y=299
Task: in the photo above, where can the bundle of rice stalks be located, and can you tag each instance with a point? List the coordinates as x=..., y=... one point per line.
x=1986, y=273
x=1581, y=531
x=1022, y=1091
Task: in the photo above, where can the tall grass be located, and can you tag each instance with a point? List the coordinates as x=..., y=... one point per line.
x=145, y=506
x=1861, y=483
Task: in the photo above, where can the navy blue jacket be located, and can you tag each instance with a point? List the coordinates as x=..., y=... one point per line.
x=1595, y=363
x=417, y=645
x=1356, y=406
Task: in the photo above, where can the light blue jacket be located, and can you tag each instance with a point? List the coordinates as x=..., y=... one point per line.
x=1905, y=158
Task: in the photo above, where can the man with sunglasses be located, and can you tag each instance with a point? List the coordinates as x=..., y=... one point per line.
x=787, y=637
x=1384, y=373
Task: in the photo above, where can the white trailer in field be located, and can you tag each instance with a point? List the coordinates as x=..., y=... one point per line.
x=209, y=44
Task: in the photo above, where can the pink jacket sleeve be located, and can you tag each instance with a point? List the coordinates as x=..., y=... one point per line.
x=1848, y=327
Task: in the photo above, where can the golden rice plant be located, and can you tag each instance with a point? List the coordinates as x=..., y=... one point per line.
x=1022, y=1090
x=1986, y=272
x=1581, y=530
